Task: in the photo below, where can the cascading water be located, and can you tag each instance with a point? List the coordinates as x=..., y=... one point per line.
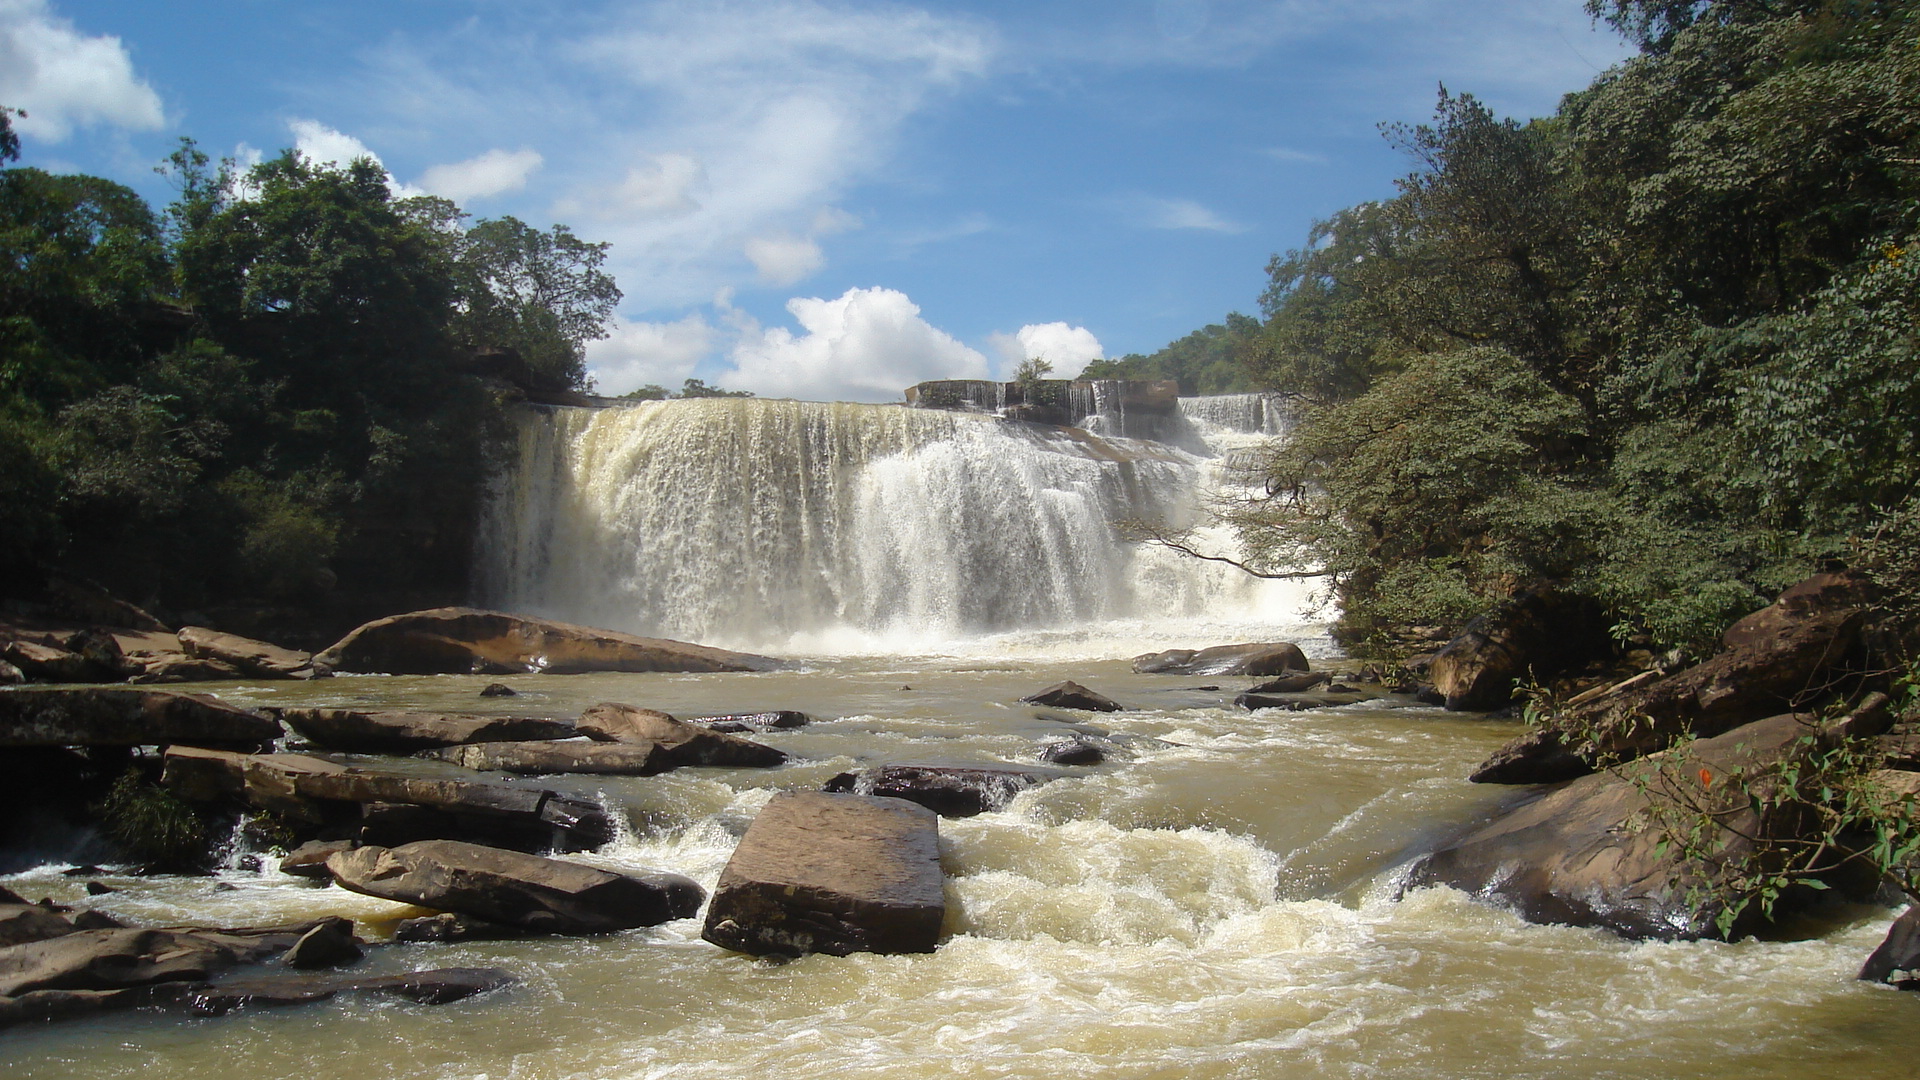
x=762, y=524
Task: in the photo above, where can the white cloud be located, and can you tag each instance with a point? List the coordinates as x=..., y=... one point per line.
x=685, y=131
x=1303, y=157
x=64, y=79
x=492, y=173
x=638, y=353
x=1067, y=348
x=1185, y=214
x=784, y=260
x=868, y=345
x=326, y=146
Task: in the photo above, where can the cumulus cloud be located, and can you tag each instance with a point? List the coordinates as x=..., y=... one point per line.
x=784, y=260
x=1067, y=348
x=639, y=353
x=492, y=173
x=868, y=345
x=65, y=79
x=664, y=185
x=319, y=143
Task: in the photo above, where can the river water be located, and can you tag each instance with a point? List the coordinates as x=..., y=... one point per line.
x=1219, y=899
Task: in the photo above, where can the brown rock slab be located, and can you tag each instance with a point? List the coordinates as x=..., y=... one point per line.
x=437, y=987
x=116, y=959
x=309, y=860
x=472, y=641
x=391, y=732
x=258, y=659
x=124, y=716
x=179, y=668
x=552, y=758
x=1250, y=658
x=1292, y=683
x=1587, y=853
x=681, y=743
x=948, y=790
x=393, y=806
x=545, y=896
x=836, y=874
x=1071, y=695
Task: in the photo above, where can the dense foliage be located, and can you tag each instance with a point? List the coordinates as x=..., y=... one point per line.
x=1215, y=359
x=1659, y=346
x=265, y=394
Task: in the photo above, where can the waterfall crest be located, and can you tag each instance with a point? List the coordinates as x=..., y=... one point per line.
x=762, y=524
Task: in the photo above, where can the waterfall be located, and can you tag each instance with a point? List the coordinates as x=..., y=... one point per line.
x=1261, y=414
x=760, y=524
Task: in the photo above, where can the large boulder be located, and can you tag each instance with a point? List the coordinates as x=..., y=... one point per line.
x=39, y=661
x=833, y=874
x=471, y=641
x=681, y=744
x=1533, y=636
x=1779, y=659
x=123, y=716
x=258, y=659
x=1252, y=658
x=390, y=805
x=1601, y=850
x=540, y=895
x=381, y=732
x=948, y=790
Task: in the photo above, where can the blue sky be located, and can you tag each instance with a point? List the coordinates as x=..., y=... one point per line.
x=819, y=199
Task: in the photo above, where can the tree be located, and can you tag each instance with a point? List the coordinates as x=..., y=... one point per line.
x=541, y=293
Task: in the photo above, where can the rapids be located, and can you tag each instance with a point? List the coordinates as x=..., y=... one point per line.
x=1218, y=900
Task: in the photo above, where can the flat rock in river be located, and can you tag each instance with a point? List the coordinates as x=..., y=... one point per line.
x=460, y=640
x=125, y=716
x=382, y=732
x=549, y=758
x=680, y=743
x=259, y=659
x=392, y=805
x=547, y=896
x=833, y=874
x=1251, y=658
x=948, y=790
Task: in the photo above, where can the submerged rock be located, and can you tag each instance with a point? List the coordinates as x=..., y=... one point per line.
x=834, y=874
x=737, y=723
x=382, y=732
x=1071, y=695
x=123, y=716
x=471, y=641
x=451, y=926
x=1292, y=683
x=1298, y=702
x=948, y=790
x=494, y=689
x=436, y=987
x=1252, y=658
x=545, y=896
x=1072, y=752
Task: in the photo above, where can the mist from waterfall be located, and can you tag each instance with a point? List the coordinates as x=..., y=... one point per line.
x=816, y=527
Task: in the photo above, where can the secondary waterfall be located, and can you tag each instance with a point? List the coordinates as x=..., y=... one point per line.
x=840, y=527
